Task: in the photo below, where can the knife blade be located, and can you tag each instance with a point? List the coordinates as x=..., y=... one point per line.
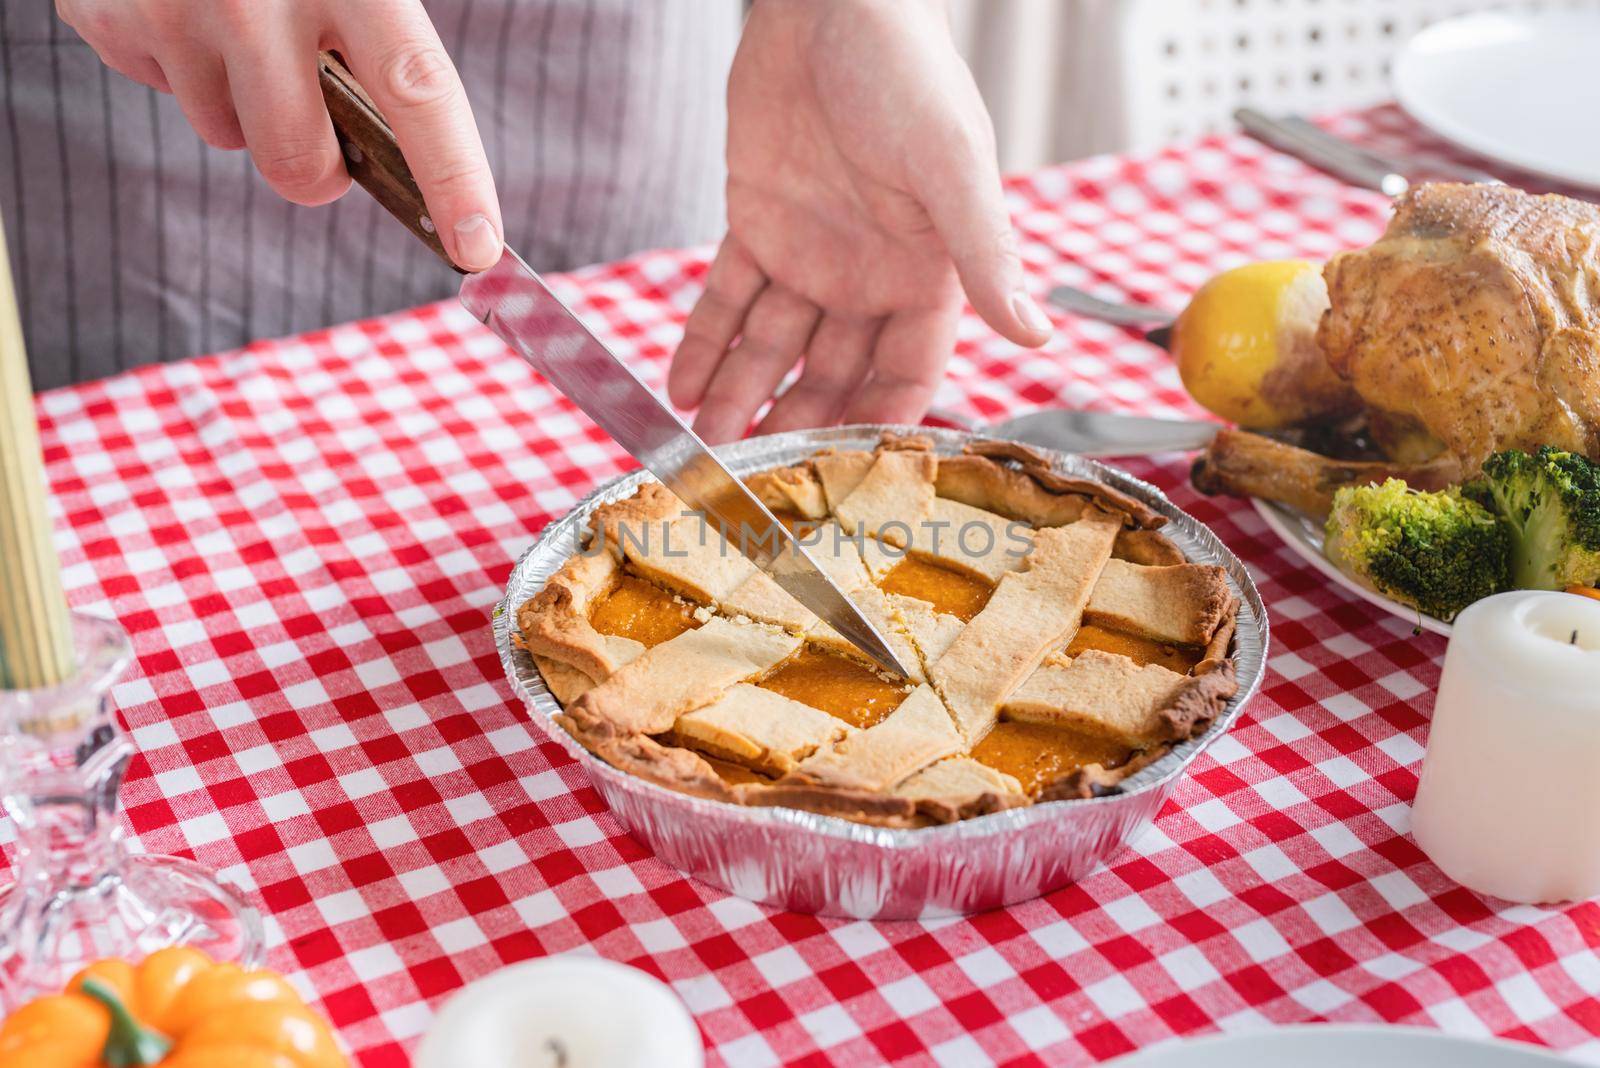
x=1106, y=433
x=1324, y=152
x=1390, y=175
x=1410, y=167
x=513, y=301
x=1091, y=433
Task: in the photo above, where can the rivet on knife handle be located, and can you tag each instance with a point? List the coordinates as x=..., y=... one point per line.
x=371, y=153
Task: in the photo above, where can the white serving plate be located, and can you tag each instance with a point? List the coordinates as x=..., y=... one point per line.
x=1517, y=88
x=1304, y=536
x=1340, y=1046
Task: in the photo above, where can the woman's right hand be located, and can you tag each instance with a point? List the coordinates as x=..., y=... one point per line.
x=245, y=73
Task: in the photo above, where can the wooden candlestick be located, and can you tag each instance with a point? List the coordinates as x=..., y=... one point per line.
x=35, y=632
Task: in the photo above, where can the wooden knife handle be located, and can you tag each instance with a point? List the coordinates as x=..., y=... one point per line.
x=371, y=153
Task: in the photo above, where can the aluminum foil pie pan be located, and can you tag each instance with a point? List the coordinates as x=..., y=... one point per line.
x=824, y=864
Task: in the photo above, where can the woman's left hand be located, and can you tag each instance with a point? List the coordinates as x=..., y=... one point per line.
x=863, y=197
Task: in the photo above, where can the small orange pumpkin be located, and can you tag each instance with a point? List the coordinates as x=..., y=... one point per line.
x=176, y=1009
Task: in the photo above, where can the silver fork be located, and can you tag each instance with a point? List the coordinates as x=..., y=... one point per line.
x=1099, y=433
x=1155, y=322
x=1082, y=302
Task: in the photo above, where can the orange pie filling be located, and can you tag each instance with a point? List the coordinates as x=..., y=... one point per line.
x=1032, y=753
x=844, y=688
x=949, y=591
x=795, y=523
x=1179, y=658
x=1037, y=755
x=642, y=611
x=853, y=691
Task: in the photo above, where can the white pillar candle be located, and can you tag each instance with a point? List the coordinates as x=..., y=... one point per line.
x=568, y=1011
x=1509, y=800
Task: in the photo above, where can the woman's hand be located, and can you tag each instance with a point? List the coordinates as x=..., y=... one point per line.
x=245, y=72
x=862, y=185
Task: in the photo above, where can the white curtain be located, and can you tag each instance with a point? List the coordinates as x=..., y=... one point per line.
x=1038, y=64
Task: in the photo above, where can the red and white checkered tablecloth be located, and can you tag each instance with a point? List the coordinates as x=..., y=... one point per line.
x=305, y=538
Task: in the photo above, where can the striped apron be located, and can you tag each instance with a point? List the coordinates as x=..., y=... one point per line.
x=132, y=242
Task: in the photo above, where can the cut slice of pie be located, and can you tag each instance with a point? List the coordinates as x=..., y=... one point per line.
x=1058, y=641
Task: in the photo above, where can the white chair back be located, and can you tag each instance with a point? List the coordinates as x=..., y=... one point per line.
x=1183, y=66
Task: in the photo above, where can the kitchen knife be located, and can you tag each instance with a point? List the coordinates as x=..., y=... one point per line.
x=514, y=302
x=1312, y=144
x=1325, y=152
x=1092, y=433
x=1444, y=169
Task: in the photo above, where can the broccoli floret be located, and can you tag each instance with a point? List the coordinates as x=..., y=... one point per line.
x=1437, y=552
x=1551, y=501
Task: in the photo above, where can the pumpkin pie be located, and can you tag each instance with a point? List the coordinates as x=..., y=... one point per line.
x=1057, y=641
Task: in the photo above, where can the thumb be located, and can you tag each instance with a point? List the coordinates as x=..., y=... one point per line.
x=962, y=196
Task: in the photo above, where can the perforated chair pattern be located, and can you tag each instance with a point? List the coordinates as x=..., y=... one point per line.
x=1185, y=65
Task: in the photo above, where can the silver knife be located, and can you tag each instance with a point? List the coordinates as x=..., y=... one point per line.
x=1444, y=168
x=1093, y=433
x=1309, y=142
x=1352, y=165
x=516, y=304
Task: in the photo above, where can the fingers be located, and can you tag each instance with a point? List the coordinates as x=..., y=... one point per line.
x=145, y=71
x=907, y=364
x=396, y=54
x=200, y=82
x=731, y=286
x=960, y=190
x=102, y=28
x=838, y=358
x=776, y=332
x=135, y=66
x=282, y=116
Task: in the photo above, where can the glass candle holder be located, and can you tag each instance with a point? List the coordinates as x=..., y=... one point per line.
x=78, y=893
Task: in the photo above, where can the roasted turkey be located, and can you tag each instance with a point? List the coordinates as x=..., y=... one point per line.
x=1469, y=327
x=1472, y=325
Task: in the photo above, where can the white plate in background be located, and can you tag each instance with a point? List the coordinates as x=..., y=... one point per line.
x=1340, y=1046
x=1304, y=536
x=1517, y=88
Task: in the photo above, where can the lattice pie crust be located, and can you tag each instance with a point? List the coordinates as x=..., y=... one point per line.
x=692, y=713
